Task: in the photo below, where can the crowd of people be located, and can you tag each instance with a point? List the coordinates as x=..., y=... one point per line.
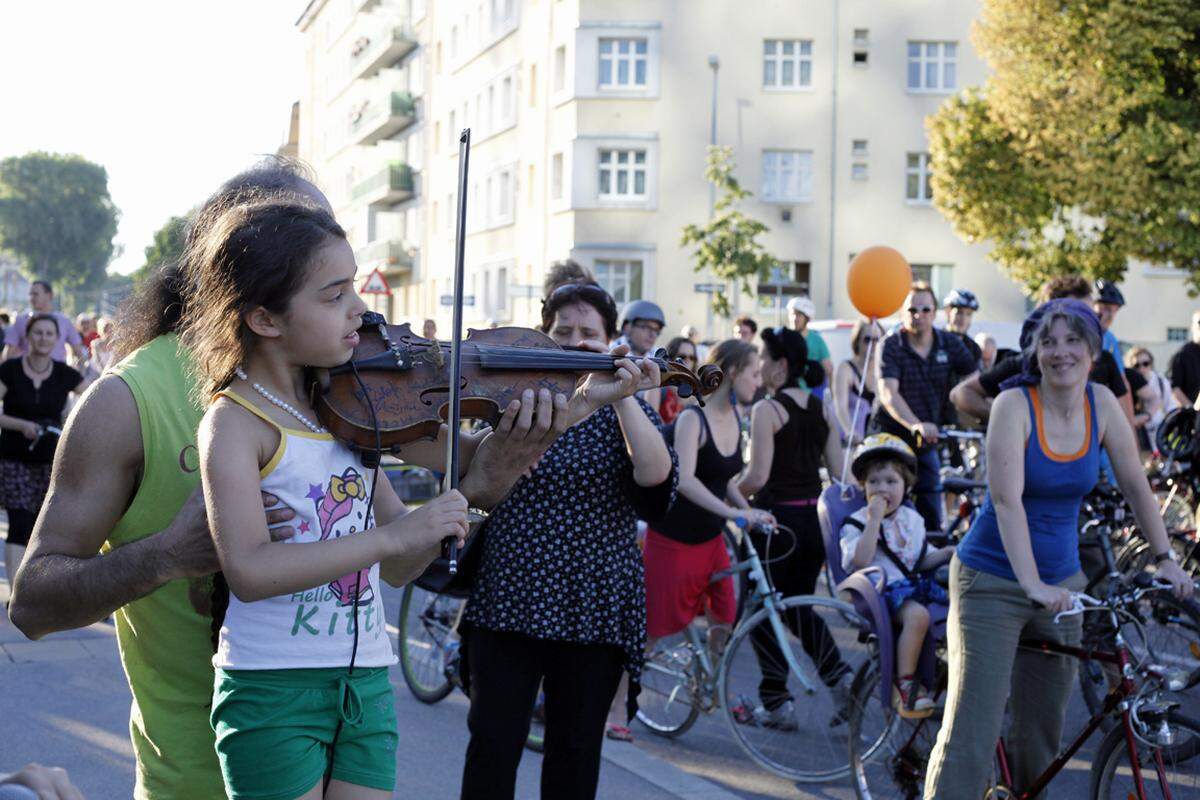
x=223, y=501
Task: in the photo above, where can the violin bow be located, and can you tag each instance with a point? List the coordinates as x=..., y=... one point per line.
x=455, y=415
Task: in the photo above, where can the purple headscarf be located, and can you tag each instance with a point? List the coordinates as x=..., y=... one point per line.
x=1030, y=375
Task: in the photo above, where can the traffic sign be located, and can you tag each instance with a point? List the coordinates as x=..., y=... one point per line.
x=448, y=300
x=708, y=288
x=376, y=284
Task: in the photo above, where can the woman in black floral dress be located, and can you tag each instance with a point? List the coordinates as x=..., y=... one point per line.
x=560, y=599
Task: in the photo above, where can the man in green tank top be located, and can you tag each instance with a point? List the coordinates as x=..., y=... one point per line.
x=123, y=529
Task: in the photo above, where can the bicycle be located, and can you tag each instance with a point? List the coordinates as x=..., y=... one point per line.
x=681, y=680
x=429, y=650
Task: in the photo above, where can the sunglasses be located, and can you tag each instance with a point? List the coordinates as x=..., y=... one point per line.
x=1144, y=363
x=922, y=310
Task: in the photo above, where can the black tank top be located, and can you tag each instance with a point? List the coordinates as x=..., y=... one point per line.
x=687, y=522
x=867, y=395
x=799, y=445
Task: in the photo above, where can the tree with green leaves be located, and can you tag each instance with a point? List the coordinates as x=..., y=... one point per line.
x=166, y=248
x=727, y=245
x=57, y=218
x=1083, y=148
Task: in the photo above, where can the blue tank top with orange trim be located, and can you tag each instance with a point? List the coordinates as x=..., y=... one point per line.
x=1055, y=484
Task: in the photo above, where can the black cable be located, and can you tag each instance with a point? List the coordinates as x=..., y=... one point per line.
x=371, y=460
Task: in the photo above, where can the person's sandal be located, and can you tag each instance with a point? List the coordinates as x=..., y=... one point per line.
x=618, y=733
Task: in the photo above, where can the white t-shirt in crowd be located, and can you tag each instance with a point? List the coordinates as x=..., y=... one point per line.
x=904, y=532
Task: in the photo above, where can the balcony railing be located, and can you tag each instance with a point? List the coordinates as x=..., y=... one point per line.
x=380, y=48
x=390, y=255
x=393, y=184
x=381, y=117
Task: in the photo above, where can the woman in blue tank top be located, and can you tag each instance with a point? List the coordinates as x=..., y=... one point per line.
x=1043, y=451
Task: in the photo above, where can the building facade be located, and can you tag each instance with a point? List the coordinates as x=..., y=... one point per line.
x=590, y=121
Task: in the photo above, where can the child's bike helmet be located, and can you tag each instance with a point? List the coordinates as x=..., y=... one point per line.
x=880, y=446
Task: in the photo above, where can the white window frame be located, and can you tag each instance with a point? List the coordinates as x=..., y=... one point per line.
x=635, y=55
x=931, y=54
x=617, y=276
x=622, y=162
x=560, y=69
x=557, y=177
x=922, y=172
x=787, y=176
x=799, y=59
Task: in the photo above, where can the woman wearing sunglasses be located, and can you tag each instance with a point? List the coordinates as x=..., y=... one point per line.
x=666, y=400
x=852, y=407
x=1155, y=400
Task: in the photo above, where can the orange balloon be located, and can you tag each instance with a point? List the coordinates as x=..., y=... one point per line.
x=878, y=281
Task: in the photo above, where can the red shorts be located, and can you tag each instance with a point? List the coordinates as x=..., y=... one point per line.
x=679, y=584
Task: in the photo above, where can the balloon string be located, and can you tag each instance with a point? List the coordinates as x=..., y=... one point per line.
x=862, y=382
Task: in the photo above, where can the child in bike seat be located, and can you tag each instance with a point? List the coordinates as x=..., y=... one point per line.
x=890, y=535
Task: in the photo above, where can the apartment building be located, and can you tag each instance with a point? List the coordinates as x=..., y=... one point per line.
x=590, y=121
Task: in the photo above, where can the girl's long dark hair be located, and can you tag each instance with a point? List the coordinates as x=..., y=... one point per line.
x=790, y=345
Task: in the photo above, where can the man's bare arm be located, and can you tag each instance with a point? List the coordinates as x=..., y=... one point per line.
x=969, y=397
x=64, y=582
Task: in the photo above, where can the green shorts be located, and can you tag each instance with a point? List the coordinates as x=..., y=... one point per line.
x=275, y=728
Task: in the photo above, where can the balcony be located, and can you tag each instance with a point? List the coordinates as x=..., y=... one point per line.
x=381, y=117
x=390, y=255
x=390, y=186
x=380, y=48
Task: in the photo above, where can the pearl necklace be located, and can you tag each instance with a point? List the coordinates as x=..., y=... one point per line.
x=286, y=406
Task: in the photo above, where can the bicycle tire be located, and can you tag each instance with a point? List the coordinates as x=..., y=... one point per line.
x=740, y=662
x=893, y=774
x=666, y=677
x=422, y=656
x=1113, y=753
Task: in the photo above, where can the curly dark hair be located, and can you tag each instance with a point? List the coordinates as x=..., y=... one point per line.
x=156, y=306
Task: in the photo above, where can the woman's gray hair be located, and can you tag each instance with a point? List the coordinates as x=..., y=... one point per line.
x=1075, y=323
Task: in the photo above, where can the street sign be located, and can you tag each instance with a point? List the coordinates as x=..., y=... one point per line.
x=708, y=288
x=448, y=300
x=376, y=284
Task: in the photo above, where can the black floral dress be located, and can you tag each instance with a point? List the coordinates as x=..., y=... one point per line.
x=560, y=560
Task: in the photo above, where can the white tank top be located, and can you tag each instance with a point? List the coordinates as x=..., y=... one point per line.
x=327, y=486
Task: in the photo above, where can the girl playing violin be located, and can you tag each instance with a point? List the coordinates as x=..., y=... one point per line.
x=302, y=703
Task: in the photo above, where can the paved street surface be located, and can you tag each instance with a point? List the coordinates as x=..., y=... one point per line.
x=65, y=702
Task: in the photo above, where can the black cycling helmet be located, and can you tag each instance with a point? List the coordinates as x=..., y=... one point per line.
x=961, y=298
x=641, y=309
x=1107, y=292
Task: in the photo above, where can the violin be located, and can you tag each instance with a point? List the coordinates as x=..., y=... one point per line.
x=395, y=389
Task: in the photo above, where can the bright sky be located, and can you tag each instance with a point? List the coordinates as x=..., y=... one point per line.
x=171, y=97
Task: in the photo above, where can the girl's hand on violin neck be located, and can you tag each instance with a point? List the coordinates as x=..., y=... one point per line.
x=442, y=517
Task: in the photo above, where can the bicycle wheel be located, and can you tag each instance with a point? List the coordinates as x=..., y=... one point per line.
x=1169, y=762
x=795, y=725
x=889, y=758
x=670, y=684
x=428, y=639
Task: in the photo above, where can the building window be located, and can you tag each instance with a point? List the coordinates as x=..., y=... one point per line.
x=506, y=98
x=917, y=187
x=437, y=217
x=787, y=63
x=453, y=42
x=437, y=136
x=858, y=148
x=622, y=173
x=533, y=85
x=938, y=276
x=529, y=192
x=858, y=171
x=621, y=279
x=560, y=68
x=622, y=63
x=438, y=57
x=556, y=176
x=1177, y=334
x=451, y=130
x=504, y=204
x=932, y=66
x=501, y=309
x=861, y=42
x=787, y=175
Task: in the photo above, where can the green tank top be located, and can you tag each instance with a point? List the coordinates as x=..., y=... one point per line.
x=166, y=645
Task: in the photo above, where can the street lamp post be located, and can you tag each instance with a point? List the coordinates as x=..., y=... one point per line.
x=714, y=64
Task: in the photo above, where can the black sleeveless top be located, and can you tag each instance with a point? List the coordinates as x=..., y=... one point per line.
x=867, y=395
x=799, y=445
x=687, y=522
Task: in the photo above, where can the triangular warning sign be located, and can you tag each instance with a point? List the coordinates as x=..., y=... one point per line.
x=376, y=284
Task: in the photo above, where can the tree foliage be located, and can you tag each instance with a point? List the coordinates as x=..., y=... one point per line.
x=166, y=247
x=57, y=218
x=727, y=244
x=1083, y=148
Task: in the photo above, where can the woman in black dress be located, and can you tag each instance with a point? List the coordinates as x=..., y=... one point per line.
x=559, y=598
x=792, y=433
x=34, y=388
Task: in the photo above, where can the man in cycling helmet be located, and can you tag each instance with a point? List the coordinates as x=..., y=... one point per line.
x=641, y=323
x=1107, y=303
x=802, y=311
x=961, y=305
